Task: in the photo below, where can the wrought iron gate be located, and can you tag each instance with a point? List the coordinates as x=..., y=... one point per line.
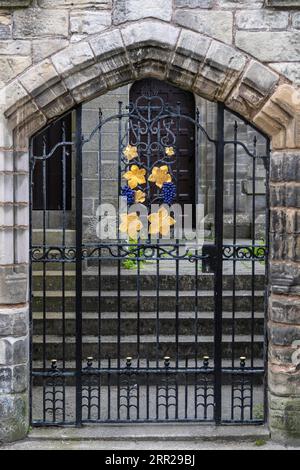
x=148, y=329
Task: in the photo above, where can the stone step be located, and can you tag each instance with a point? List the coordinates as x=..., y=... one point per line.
x=148, y=301
x=148, y=323
x=186, y=346
x=108, y=280
x=167, y=434
x=54, y=237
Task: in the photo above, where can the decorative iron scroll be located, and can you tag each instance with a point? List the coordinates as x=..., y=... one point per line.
x=243, y=252
x=53, y=253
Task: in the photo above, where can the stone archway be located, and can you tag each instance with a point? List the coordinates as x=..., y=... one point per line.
x=195, y=62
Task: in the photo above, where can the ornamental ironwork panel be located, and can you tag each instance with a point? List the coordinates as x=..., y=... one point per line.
x=138, y=316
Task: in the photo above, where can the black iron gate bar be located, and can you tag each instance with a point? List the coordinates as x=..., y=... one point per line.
x=47, y=254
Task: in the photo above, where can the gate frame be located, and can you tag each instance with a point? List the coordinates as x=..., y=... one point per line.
x=216, y=255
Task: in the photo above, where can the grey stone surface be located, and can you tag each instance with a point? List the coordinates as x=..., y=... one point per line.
x=42, y=48
x=15, y=3
x=289, y=69
x=262, y=19
x=208, y=22
x=73, y=58
x=36, y=22
x=193, y=3
x=131, y=10
x=270, y=46
x=284, y=309
x=89, y=22
x=14, y=417
x=285, y=195
x=222, y=67
x=14, y=321
x=285, y=167
x=98, y=4
x=283, y=3
x=13, y=351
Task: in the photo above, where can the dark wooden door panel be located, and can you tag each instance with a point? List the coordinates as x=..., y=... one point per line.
x=185, y=144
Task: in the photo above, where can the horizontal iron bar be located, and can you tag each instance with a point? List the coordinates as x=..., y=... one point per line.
x=246, y=371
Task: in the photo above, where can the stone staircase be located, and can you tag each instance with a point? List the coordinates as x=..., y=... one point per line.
x=149, y=325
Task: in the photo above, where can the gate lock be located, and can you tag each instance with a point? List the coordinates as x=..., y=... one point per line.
x=209, y=252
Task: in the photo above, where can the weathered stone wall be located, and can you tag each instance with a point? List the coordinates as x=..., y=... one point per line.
x=56, y=53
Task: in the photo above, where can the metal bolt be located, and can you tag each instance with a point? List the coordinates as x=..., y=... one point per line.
x=167, y=361
x=206, y=361
x=128, y=361
x=243, y=361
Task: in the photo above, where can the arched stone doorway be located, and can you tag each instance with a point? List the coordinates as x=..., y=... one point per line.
x=120, y=56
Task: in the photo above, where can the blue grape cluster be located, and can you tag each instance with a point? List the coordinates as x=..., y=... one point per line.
x=168, y=192
x=129, y=194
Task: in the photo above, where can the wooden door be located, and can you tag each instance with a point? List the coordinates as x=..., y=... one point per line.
x=185, y=144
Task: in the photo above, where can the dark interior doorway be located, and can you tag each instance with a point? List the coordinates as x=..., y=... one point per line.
x=52, y=178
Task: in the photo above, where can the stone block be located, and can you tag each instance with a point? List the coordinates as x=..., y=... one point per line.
x=283, y=308
x=283, y=335
x=193, y=3
x=132, y=10
x=221, y=69
x=14, y=379
x=97, y=4
x=283, y=3
x=5, y=28
x=73, y=58
x=288, y=69
x=273, y=46
x=208, y=22
x=14, y=421
x=284, y=382
x=43, y=48
x=11, y=66
x=15, y=47
x=284, y=419
x=285, y=195
x=190, y=54
x=89, y=22
x=285, y=247
x=37, y=22
x=285, y=167
x=39, y=78
x=15, y=3
x=150, y=33
x=262, y=20
x=256, y=84
x=13, y=351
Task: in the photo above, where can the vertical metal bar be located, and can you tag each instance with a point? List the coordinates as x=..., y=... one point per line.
x=79, y=266
x=234, y=260
x=63, y=162
x=119, y=259
x=44, y=169
x=253, y=269
x=177, y=321
x=138, y=330
x=267, y=270
x=197, y=179
x=31, y=169
x=99, y=262
x=219, y=183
